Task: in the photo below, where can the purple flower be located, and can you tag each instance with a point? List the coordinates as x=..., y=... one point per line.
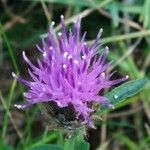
x=71, y=73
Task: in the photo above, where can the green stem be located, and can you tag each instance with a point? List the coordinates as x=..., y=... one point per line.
x=10, y=50
x=9, y=100
x=133, y=35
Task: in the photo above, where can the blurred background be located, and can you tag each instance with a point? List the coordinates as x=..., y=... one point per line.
x=126, y=25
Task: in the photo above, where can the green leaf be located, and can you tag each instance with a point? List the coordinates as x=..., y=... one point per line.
x=124, y=91
x=47, y=147
x=124, y=7
x=76, y=143
x=4, y=146
x=127, y=142
x=82, y=3
x=115, y=14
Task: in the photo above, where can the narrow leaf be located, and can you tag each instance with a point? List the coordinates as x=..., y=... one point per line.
x=124, y=91
x=47, y=147
x=126, y=141
x=82, y=3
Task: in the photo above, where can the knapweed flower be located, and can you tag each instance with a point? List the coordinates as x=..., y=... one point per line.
x=70, y=74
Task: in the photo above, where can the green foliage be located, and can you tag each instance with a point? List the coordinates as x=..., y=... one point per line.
x=47, y=147
x=127, y=142
x=124, y=23
x=83, y=3
x=124, y=91
x=5, y=146
x=76, y=143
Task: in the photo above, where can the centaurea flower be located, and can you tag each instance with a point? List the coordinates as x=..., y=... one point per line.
x=70, y=74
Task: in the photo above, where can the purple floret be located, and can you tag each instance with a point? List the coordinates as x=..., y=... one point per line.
x=70, y=73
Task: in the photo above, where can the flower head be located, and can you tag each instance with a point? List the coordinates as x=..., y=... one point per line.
x=70, y=73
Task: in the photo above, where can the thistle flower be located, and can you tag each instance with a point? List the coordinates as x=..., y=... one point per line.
x=71, y=73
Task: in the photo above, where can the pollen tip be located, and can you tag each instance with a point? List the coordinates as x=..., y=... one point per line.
x=127, y=77
x=107, y=49
x=115, y=96
x=18, y=106
x=51, y=48
x=64, y=66
x=103, y=74
x=62, y=16
x=101, y=30
x=59, y=104
x=76, y=62
x=53, y=23
x=92, y=126
x=44, y=54
x=83, y=57
x=65, y=54
x=23, y=53
x=24, y=94
x=59, y=34
x=14, y=75
x=85, y=43
x=70, y=56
